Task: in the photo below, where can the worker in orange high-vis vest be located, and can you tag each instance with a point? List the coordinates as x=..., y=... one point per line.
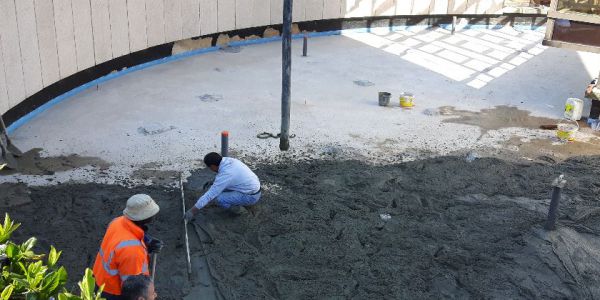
x=126, y=246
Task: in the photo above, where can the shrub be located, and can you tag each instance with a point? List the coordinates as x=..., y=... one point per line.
x=30, y=276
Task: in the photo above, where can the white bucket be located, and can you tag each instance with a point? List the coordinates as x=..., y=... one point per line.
x=573, y=109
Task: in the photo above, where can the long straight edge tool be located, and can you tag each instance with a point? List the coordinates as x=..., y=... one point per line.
x=187, y=241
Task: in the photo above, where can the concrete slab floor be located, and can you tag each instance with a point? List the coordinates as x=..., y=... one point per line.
x=168, y=116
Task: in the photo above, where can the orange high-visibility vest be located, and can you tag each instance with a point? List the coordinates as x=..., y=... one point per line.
x=122, y=254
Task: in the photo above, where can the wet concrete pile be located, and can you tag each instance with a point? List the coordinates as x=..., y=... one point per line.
x=434, y=228
x=457, y=229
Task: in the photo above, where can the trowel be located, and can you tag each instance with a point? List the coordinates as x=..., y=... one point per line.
x=7, y=160
x=8, y=151
x=9, y=145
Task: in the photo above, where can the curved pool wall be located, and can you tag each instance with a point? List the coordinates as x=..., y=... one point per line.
x=20, y=102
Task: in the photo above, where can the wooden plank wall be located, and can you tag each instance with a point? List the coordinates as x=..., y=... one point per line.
x=44, y=41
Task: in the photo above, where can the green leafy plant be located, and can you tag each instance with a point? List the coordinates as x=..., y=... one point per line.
x=23, y=274
x=86, y=287
x=7, y=229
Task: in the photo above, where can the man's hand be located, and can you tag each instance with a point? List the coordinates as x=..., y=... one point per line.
x=154, y=245
x=207, y=185
x=190, y=215
x=589, y=89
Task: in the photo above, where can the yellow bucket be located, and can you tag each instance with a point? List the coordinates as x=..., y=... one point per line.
x=407, y=100
x=566, y=130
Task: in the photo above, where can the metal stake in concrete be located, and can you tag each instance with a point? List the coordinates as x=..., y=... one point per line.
x=224, y=143
x=305, y=45
x=187, y=240
x=284, y=142
x=558, y=184
x=154, y=258
x=453, y=24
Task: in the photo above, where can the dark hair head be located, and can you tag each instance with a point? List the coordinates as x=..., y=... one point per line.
x=212, y=159
x=135, y=286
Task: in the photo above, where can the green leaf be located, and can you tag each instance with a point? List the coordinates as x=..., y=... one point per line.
x=67, y=296
x=53, y=257
x=11, y=251
x=28, y=245
x=54, y=281
x=5, y=295
x=87, y=285
x=7, y=228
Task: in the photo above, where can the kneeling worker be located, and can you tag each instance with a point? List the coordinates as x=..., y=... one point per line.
x=234, y=186
x=125, y=247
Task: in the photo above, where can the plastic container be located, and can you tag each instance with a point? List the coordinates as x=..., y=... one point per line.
x=573, y=109
x=384, y=98
x=407, y=100
x=566, y=130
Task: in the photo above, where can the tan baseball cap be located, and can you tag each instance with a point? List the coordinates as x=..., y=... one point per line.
x=140, y=207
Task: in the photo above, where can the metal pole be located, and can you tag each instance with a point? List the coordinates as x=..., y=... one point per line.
x=453, y=24
x=225, y=143
x=187, y=240
x=154, y=258
x=305, y=46
x=284, y=142
x=558, y=184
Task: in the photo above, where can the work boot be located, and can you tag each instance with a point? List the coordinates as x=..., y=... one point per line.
x=252, y=209
x=238, y=210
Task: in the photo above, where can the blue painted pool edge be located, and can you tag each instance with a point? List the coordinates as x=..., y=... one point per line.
x=28, y=117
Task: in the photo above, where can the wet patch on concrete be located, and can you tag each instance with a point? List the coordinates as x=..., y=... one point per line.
x=551, y=149
x=210, y=98
x=495, y=118
x=363, y=83
x=31, y=163
x=154, y=129
x=158, y=177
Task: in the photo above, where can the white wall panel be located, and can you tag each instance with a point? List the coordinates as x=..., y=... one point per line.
x=421, y=7
x=299, y=10
x=119, y=27
x=155, y=20
x=65, y=38
x=190, y=16
x=496, y=7
x=457, y=6
x=384, y=7
x=314, y=9
x=483, y=6
x=404, y=7
x=173, y=20
x=4, y=106
x=44, y=12
x=261, y=13
x=30, y=52
x=226, y=17
x=101, y=31
x=208, y=17
x=472, y=7
x=84, y=38
x=332, y=9
x=358, y=8
x=244, y=13
x=136, y=11
x=11, y=52
x=277, y=11
x=439, y=7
